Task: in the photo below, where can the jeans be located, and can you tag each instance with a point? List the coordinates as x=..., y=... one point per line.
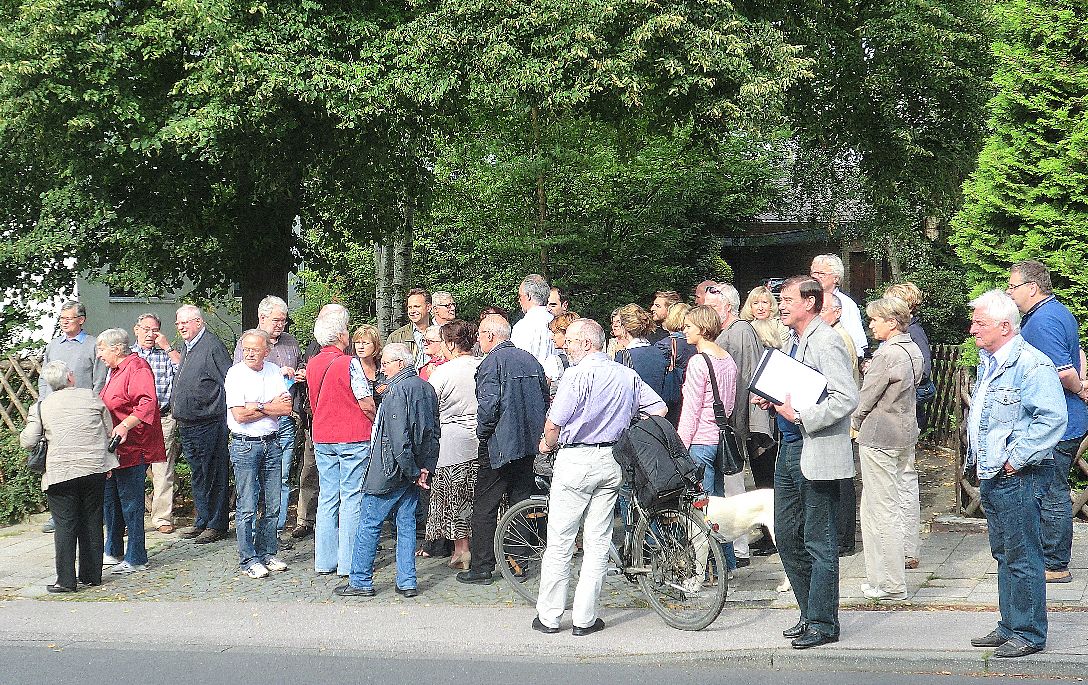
x=76, y=506
x=205, y=448
x=288, y=432
x=123, y=506
x=256, y=482
x=341, y=467
x=401, y=503
x=1013, y=508
x=805, y=530
x=515, y=480
x=585, y=485
x=1058, y=509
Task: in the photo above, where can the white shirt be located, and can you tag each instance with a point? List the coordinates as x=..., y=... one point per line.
x=532, y=334
x=242, y=385
x=990, y=362
x=851, y=320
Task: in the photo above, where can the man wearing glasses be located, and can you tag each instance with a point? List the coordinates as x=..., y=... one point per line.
x=443, y=308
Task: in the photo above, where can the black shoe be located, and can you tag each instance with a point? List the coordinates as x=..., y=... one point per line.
x=475, y=577
x=90, y=584
x=589, y=630
x=848, y=552
x=57, y=589
x=762, y=550
x=539, y=626
x=1014, y=648
x=407, y=592
x=349, y=590
x=743, y=561
x=813, y=638
x=797, y=630
x=326, y=573
x=303, y=530
x=993, y=639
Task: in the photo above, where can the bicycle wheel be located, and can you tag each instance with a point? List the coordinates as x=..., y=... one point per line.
x=683, y=573
x=520, y=539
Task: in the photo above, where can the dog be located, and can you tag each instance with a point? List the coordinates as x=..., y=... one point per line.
x=731, y=517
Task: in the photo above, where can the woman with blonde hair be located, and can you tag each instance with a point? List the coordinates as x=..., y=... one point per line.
x=912, y=295
x=631, y=324
x=761, y=309
x=368, y=348
x=678, y=351
x=558, y=363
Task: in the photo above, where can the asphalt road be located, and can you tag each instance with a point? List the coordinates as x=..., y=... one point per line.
x=39, y=662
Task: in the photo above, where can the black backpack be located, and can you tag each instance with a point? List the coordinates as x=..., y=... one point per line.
x=655, y=462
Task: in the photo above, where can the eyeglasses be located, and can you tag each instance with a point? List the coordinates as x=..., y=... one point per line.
x=147, y=329
x=1012, y=287
x=451, y=305
x=69, y=319
x=818, y=274
x=428, y=341
x=713, y=290
x=391, y=361
x=186, y=322
x=252, y=350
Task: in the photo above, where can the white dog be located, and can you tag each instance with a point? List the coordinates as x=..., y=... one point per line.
x=732, y=517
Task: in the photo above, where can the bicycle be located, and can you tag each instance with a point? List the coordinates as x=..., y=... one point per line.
x=669, y=552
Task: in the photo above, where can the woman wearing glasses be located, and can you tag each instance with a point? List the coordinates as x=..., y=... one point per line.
x=432, y=346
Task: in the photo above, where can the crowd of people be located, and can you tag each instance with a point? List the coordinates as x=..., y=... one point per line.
x=438, y=426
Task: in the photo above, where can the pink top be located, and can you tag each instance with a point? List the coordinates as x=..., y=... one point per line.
x=697, y=425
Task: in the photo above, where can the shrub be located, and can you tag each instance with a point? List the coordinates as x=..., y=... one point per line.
x=20, y=490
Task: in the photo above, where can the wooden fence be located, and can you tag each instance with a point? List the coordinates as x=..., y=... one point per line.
x=18, y=389
x=943, y=417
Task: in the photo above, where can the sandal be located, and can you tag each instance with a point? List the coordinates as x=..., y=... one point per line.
x=422, y=554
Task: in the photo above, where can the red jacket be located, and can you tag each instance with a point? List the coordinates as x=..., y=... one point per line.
x=130, y=391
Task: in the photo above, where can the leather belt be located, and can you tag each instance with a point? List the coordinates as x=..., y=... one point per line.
x=262, y=438
x=587, y=444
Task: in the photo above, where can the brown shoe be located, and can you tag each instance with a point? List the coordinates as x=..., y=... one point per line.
x=1063, y=576
x=209, y=535
x=910, y=563
x=166, y=528
x=190, y=532
x=302, y=530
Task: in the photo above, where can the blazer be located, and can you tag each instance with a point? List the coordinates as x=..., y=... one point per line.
x=78, y=427
x=826, y=453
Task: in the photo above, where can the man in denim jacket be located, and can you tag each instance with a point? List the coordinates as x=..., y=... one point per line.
x=1017, y=417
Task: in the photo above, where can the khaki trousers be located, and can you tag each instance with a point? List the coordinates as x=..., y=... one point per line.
x=162, y=476
x=885, y=521
x=309, y=484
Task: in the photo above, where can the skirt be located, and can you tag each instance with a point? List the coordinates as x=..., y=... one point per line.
x=451, y=501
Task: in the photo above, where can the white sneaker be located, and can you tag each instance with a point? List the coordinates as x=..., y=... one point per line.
x=107, y=560
x=257, y=570
x=693, y=585
x=275, y=564
x=124, y=568
x=877, y=593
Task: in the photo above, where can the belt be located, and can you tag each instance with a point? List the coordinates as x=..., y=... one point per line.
x=587, y=444
x=262, y=438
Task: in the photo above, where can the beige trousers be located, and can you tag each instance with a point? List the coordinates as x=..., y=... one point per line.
x=162, y=476
x=884, y=523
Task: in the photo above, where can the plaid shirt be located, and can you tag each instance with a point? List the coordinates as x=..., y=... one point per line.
x=163, y=369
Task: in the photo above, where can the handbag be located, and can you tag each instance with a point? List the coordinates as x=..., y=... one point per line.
x=36, y=461
x=729, y=459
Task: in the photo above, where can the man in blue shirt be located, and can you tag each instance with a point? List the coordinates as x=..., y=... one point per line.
x=1049, y=327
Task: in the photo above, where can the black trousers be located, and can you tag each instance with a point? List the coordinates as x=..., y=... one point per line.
x=515, y=480
x=76, y=506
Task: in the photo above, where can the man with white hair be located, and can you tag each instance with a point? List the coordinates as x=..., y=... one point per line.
x=829, y=271
x=443, y=308
x=1017, y=417
x=75, y=348
x=596, y=401
x=532, y=333
x=198, y=404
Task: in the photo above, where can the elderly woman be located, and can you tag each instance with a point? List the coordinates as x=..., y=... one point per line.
x=912, y=295
x=678, y=351
x=455, y=477
x=887, y=431
x=130, y=397
x=77, y=425
x=761, y=309
x=558, y=363
x=432, y=345
x=631, y=324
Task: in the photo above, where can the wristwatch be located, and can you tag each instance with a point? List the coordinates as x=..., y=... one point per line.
x=260, y=407
x=796, y=418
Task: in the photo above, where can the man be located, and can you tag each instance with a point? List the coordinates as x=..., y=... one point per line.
x=342, y=403
x=558, y=302
x=815, y=454
x=406, y=434
x=700, y=291
x=831, y=313
x=513, y=399
x=443, y=308
x=257, y=399
x=829, y=271
x=411, y=334
x=283, y=351
x=532, y=333
x=1017, y=417
x=1049, y=327
x=659, y=310
x=595, y=402
x=155, y=349
x=198, y=404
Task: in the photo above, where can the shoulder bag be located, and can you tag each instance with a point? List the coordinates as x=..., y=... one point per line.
x=729, y=459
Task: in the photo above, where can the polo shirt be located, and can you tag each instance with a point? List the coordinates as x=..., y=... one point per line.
x=1050, y=327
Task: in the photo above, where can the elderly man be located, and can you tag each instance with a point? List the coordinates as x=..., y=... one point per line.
x=700, y=291
x=257, y=399
x=558, y=302
x=284, y=352
x=1017, y=417
x=412, y=333
x=1049, y=327
x=532, y=333
x=342, y=402
x=198, y=404
x=155, y=349
x=659, y=310
x=815, y=454
x=406, y=432
x=443, y=308
x=595, y=402
x=829, y=271
x=513, y=398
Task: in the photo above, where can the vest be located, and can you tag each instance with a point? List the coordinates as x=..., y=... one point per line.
x=337, y=416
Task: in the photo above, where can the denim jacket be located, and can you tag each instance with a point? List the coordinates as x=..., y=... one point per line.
x=1023, y=412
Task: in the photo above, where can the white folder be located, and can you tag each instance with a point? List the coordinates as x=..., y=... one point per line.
x=779, y=374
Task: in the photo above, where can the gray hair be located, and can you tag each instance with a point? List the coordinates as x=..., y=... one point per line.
x=329, y=326
x=433, y=330
x=997, y=305
x=832, y=300
x=587, y=329
x=257, y=333
x=1033, y=271
x=115, y=337
x=398, y=352
x=81, y=310
x=442, y=295
x=833, y=263
x=497, y=326
x=536, y=288
x=269, y=304
x=150, y=315
x=192, y=310
x=55, y=374
x=730, y=295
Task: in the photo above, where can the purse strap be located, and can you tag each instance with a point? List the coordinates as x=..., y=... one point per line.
x=720, y=417
x=672, y=357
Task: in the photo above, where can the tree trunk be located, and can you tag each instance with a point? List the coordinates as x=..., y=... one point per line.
x=402, y=267
x=383, y=301
x=271, y=264
x=541, y=196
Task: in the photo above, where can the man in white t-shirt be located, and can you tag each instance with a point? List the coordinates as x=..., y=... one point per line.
x=532, y=333
x=256, y=399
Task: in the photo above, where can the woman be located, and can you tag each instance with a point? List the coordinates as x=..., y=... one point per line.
x=887, y=431
x=909, y=293
x=761, y=309
x=77, y=425
x=455, y=477
x=631, y=324
x=432, y=346
x=555, y=365
x=130, y=396
x=678, y=351
x=368, y=348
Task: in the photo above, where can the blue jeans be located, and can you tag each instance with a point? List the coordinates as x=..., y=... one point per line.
x=340, y=468
x=1058, y=509
x=205, y=448
x=401, y=503
x=288, y=431
x=256, y=483
x=123, y=506
x=805, y=530
x=713, y=485
x=1013, y=508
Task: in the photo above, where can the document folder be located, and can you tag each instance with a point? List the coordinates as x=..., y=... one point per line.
x=778, y=374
